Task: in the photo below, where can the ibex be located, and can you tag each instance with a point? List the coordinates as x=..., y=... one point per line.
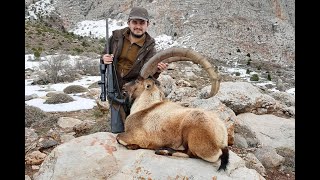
x=168, y=128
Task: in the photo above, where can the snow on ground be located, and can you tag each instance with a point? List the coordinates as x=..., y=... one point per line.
x=38, y=9
x=164, y=41
x=97, y=29
x=291, y=91
x=42, y=90
x=78, y=104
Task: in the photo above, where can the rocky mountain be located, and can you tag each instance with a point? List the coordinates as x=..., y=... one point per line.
x=259, y=32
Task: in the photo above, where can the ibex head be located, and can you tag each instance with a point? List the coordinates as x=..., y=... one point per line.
x=149, y=87
x=183, y=54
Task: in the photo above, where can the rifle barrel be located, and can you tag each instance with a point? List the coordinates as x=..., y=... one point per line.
x=107, y=37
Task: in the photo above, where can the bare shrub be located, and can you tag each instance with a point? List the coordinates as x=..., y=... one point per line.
x=43, y=126
x=59, y=98
x=88, y=67
x=42, y=78
x=94, y=85
x=289, y=156
x=56, y=69
x=74, y=89
x=32, y=115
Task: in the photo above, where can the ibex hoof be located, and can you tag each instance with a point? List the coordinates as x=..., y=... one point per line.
x=120, y=141
x=165, y=151
x=132, y=146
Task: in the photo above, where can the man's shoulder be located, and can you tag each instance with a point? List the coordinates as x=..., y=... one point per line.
x=119, y=32
x=149, y=38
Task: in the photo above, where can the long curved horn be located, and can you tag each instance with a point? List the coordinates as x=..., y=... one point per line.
x=182, y=54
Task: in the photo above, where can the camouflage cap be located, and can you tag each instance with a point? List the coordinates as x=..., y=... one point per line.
x=139, y=13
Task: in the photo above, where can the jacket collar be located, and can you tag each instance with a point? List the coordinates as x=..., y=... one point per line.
x=141, y=41
x=119, y=34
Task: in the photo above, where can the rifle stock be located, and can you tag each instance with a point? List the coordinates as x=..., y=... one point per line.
x=112, y=93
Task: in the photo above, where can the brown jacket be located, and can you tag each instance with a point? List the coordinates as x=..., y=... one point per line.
x=145, y=53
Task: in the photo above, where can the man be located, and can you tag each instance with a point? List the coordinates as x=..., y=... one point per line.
x=130, y=48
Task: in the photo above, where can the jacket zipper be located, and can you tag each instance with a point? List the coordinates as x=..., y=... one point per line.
x=138, y=58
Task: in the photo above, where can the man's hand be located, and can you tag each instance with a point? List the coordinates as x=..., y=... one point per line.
x=162, y=67
x=107, y=58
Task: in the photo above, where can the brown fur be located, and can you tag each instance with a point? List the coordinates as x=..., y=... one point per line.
x=158, y=124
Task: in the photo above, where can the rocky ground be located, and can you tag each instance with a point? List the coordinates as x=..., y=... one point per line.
x=103, y=124
x=271, y=174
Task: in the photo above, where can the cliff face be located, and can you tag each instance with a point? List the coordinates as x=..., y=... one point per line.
x=225, y=30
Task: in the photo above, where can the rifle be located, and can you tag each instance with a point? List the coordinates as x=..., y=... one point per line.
x=112, y=90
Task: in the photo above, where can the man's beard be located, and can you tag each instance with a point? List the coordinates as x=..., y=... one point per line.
x=136, y=35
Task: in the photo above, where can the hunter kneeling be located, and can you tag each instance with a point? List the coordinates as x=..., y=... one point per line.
x=171, y=129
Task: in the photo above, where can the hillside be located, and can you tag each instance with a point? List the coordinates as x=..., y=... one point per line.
x=228, y=32
x=43, y=39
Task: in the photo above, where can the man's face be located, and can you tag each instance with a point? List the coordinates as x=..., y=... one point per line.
x=138, y=27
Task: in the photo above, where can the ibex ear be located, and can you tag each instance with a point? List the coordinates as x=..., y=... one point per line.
x=148, y=84
x=140, y=78
x=155, y=81
x=162, y=95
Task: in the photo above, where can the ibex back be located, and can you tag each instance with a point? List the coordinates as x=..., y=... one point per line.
x=170, y=129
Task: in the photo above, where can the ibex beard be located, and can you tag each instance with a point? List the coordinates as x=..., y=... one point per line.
x=170, y=129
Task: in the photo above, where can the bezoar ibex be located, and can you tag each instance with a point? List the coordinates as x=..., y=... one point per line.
x=168, y=128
